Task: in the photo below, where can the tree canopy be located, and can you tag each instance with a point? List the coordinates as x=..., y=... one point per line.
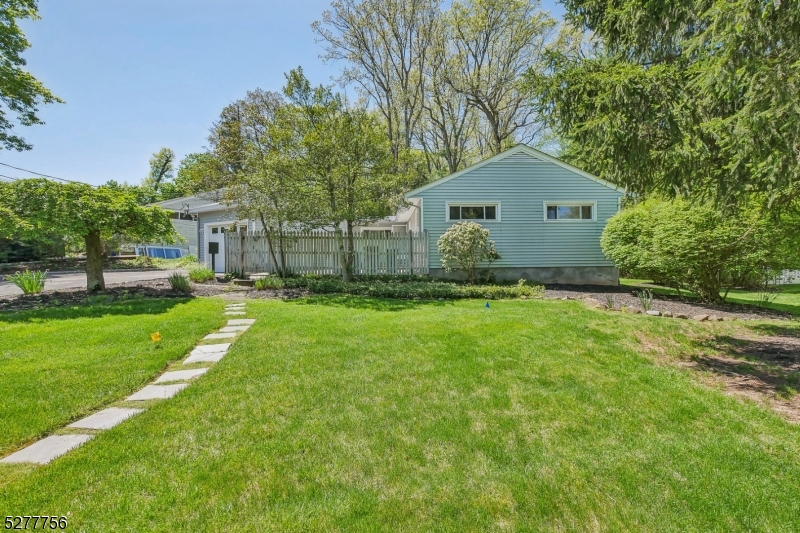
x=693, y=98
x=80, y=211
x=20, y=93
x=446, y=84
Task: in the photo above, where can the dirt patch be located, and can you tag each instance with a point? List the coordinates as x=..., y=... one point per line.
x=625, y=296
x=765, y=369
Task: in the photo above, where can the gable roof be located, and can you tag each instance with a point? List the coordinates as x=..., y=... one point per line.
x=518, y=149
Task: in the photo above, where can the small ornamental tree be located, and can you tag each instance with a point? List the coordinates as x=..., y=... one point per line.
x=80, y=211
x=464, y=247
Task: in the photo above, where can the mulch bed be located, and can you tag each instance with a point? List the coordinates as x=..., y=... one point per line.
x=157, y=288
x=626, y=296
x=160, y=288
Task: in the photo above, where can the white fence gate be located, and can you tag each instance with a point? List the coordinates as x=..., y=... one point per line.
x=315, y=252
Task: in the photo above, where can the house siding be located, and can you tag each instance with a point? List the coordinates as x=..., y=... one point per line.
x=521, y=184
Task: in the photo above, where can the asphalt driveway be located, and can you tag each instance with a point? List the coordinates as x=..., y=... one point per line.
x=70, y=280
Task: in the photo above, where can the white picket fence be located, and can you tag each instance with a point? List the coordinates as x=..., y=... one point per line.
x=315, y=252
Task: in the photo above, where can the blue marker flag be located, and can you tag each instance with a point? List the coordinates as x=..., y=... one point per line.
x=487, y=305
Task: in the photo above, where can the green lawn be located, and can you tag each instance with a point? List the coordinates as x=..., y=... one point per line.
x=351, y=414
x=59, y=364
x=788, y=299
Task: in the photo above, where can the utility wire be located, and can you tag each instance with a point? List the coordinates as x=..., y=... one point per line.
x=9, y=178
x=40, y=174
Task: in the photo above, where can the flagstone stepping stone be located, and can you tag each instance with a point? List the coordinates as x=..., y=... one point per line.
x=211, y=348
x=230, y=329
x=205, y=358
x=105, y=419
x=157, y=392
x=241, y=322
x=235, y=306
x=212, y=336
x=47, y=449
x=233, y=313
x=181, y=375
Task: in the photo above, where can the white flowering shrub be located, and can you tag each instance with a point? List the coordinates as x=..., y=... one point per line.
x=465, y=246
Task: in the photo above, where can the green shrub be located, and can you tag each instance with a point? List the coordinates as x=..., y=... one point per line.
x=179, y=282
x=696, y=247
x=201, y=273
x=464, y=246
x=268, y=282
x=31, y=282
x=429, y=289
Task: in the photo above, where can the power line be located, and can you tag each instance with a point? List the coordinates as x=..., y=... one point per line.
x=40, y=174
x=9, y=178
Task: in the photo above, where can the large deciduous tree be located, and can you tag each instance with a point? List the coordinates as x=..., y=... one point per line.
x=694, y=97
x=385, y=43
x=79, y=211
x=20, y=93
x=495, y=42
x=253, y=168
x=346, y=159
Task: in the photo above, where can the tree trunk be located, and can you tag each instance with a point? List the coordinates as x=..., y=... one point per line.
x=268, y=233
x=342, y=254
x=94, y=263
x=351, y=250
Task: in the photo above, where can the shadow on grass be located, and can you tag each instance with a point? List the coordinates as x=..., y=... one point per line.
x=762, y=367
x=790, y=329
x=367, y=302
x=94, y=308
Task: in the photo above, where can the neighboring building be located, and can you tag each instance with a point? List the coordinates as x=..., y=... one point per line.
x=544, y=215
x=210, y=220
x=213, y=219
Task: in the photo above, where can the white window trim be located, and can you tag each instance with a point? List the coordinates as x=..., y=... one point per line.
x=471, y=204
x=570, y=203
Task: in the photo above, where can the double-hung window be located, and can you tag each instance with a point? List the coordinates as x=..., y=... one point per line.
x=470, y=211
x=569, y=211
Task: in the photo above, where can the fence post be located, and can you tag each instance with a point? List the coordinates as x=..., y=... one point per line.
x=410, y=253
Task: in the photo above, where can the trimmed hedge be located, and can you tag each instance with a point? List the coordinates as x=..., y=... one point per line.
x=403, y=287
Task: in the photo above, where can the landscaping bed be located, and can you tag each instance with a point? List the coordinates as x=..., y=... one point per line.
x=403, y=289
x=626, y=296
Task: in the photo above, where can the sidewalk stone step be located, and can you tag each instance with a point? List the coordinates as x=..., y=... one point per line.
x=47, y=449
x=241, y=322
x=232, y=329
x=234, y=313
x=157, y=392
x=181, y=375
x=214, y=357
x=105, y=419
x=212, y=336
x=211, y=348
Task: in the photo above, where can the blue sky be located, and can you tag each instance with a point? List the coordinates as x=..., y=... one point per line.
x=140, y=75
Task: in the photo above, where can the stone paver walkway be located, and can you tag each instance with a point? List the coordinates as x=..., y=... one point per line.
x=105, y=419
x=49, y=448
x=181, y=375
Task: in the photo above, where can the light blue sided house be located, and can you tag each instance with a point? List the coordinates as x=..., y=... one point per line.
x=544, y=215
